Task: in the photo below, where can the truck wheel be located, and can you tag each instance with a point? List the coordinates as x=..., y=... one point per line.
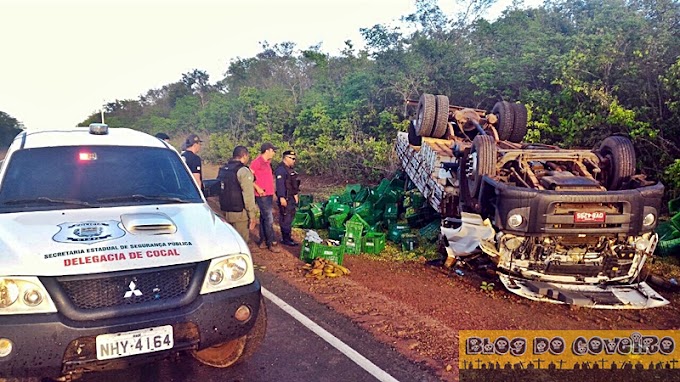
x=620, y=154
x=413, y=138
x=506, y=119
x=480, y=161
x=441, y=124
x=519, y=128
x=426, y=114
x=237, y=350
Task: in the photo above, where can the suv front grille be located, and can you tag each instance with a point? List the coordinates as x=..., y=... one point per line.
x=130, y=288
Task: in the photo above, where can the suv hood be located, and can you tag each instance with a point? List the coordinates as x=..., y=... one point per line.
x=83, y=241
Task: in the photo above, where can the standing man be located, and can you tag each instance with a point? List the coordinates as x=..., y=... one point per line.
x=287, y=190
x=192, y=146
x=237, y=198
x=163, y=137
x=264, y=195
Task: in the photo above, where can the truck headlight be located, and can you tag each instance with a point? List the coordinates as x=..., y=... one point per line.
x=228, y=272
x=24, y=295
x=649, y=220
x=515, y=220
x=641, y=243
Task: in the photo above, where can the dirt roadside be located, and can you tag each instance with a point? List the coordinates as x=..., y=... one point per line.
x=419, y=309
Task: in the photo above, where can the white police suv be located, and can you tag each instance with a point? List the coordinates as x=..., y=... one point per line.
x=110, y=255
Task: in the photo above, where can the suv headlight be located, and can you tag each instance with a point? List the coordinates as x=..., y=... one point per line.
x=228, y=272
x=24, y=295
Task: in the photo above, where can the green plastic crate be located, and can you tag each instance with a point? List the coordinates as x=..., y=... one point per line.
x=373, y=242
x=414, y=199
x=333, y=208
x=409, y=241
x=305, y=200
x=316, y=216
x=307, y=251
x=336, y=233
x=334, y=253
x=674, y=206
x=365, y=210
x=668, y=248
x=352, y=246
x=363, y=195
x=391, y=211
x=376, y=227
x=354, y=230
x=666, y=231
x=301, y=219
x=337, y=220
x=395, y=231
x=431, y=231
x=359, y=219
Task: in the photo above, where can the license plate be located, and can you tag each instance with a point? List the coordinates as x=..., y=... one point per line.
x=589, y=217
x=117, y=345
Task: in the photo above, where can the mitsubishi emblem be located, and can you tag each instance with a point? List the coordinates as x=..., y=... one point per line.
x=133, y=290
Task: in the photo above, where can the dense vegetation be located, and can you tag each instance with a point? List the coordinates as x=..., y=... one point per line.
x=586, y=69
x=9, y=128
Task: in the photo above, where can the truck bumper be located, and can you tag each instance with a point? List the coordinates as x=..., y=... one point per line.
x=539, y=209
x=52, y=345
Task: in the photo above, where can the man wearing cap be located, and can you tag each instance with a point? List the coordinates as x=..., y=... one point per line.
x=163, y=137
x=287, y=190
x=192, y=145
x=237, y=198
x=264, y=194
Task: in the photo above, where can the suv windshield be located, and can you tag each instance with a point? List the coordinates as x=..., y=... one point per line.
x=83, y=177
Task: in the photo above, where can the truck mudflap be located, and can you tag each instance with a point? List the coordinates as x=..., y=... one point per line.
x=613, y=296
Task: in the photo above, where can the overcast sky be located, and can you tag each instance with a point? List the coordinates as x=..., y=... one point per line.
x=61, y=60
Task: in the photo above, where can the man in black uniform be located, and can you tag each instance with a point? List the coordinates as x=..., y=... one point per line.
x=287, y=190
x=237, y=198
x=192, y=146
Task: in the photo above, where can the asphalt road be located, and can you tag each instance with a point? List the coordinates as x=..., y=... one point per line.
x=290, y=352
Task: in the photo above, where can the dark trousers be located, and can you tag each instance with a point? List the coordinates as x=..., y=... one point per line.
x=286, y=216
x=266, y=205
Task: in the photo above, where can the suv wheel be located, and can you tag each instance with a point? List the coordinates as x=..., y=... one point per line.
x=238, y=350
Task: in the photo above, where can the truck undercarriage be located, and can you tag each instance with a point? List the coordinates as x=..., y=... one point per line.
x=566, y=226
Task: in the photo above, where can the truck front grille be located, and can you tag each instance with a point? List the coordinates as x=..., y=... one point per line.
x=130, y=288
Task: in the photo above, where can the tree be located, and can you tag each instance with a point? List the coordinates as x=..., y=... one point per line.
x=9, y=128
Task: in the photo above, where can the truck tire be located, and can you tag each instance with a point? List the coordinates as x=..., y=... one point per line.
x=519, y=128
x=426, y=114
x=441, y=123
x=506, y=119
x=620, y=154
x=413, y=138
x=480, y=161
x=238, y=350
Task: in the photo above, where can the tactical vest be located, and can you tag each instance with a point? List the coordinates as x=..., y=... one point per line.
x=231, y=197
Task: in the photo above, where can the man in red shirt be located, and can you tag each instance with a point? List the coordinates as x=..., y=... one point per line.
x=264, y=194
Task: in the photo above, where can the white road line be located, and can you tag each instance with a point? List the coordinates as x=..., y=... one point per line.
x=352, y=354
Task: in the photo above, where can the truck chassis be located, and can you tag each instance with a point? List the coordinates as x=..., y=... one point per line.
x=570, y=226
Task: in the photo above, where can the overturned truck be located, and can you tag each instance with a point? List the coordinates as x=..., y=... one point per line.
x=571, y=226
